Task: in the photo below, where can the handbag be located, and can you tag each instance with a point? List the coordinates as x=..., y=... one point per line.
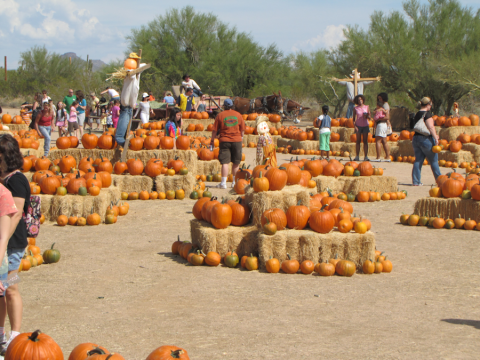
x=420, y=127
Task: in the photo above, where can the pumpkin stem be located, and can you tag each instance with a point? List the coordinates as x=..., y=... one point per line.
x=34, y=336
x=52, y=246
x=289, y=257
x=176, y=354
x=97, y=351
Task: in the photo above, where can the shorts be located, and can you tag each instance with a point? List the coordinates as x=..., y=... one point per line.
x=363, y=130
x=14, y=257
x=81, y=119
x=230, y=152
x=381, y=130
x=325, y=141
x=72, y=126
x=60, y=124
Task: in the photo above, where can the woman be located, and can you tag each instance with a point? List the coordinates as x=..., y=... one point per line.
x=144, y=109
x=45, y=97
x=62, y=119
x=382, y=121
x=173, y=127
x=35, y=108
x=423, y=143
x=43, y=125
x=11, y=161
x=361, y=115
x=202, y=104
x=82, y=106
x=169, y=99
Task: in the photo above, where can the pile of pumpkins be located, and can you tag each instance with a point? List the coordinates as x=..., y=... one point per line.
x=62, y=176
x=197, y=257
x=201, y=145
x=392, y=138
x=16, y=119
x=298, y=172
x=221, y=214
x=437, y=222
x=26, y=139
x=323, y=215
x=455, y=185
x=111, y=214
x=38, y=346
x=348, y=123
x=446, y=122
x=153, y=168
x=178, y=194
x=34, y=258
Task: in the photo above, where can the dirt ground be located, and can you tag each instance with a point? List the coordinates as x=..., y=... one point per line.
x=119, y=286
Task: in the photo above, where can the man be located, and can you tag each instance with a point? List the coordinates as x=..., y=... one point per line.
x=68, y=100
x=229, y=127
x=190, y=83
x=94, y=102
x=186, y=102
x=351, y=91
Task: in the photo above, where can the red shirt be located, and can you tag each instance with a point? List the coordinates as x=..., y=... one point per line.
x=229, y=126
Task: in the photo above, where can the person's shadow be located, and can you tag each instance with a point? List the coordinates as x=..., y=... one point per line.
x=474, y=323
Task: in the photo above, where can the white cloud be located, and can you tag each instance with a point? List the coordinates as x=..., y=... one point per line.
x=330, y=37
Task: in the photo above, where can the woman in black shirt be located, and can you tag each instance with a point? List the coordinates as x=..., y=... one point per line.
x=11, y=161
x=423, y=143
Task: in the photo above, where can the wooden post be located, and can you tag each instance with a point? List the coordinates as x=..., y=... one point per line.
x=70, y=58
x=5, y=68
x=355, y=82
x=87, y=62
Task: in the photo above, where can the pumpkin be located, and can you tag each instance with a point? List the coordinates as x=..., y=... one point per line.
x=168, y=352
x=386, y=265
x=360, y=227
x=166, y=142
x=368, y=267
x=34, y=345
x=183, y=142
x=231, y=259
x=277, y=178
x=89, y=141
x=272, y=265
x=345, y=268
x=297, y=216
x=270, y=228
x=213, y=258
x=307, y=267
x=67, y=163
x=438, y=223
x=470, y=225
x=452, y=187
x=290, y=266
x=207, y=208
x=365, y=169
x=251, y=263
x=241, y=185
x=321, y=221
x=62, y=220
x=276, y=216
x=51, y=255
x=49, y=184
x=221, y=215
x=240, y=212
x=135, y=167
x=261, y=184
x=80, y=352
x=197, y=208
x=99, y=354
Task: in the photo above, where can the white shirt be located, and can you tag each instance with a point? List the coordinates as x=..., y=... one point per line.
x=113, y=93
x=190, y=84
x=46, y=100
x=144, y=108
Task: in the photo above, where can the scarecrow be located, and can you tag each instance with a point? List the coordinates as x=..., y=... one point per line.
x=266, y=149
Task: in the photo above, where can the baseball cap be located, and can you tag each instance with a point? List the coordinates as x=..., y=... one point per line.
x=228, y=102
x=145, y=95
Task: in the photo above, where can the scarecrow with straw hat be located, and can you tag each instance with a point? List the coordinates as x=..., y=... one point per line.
x=266, y=149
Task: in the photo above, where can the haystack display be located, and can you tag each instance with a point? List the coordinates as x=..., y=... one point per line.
x=448, y=208
x=164, y=183
x=129, y=183
x=349, y=184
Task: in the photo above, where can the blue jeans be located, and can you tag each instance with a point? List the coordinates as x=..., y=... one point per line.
x=197, y=93
x=46, y=131
x=351, y=107
x=422, y=145
x=125, y=116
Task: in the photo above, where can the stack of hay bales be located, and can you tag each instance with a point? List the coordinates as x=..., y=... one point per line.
x=448, y=208
x=211, y=167
x=130, y=183
x=204, y=122
x=300, y=244
x=355, y=184
x=164, y=183
x=53, y=206
x=38, y=153
x=17, y=127
x=80, y=153
x=405, y=148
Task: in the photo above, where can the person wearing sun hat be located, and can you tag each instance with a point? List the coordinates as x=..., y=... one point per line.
x=229, y=127
x=144, y=109
x=94, y=102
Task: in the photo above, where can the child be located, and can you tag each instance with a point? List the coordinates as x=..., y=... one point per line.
x=115, y=113
x=173, y=127
x=72, y=120
x=324, y=123
x=108, y=112
x=62, y=118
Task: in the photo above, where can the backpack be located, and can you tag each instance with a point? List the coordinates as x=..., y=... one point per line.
x=32, y=217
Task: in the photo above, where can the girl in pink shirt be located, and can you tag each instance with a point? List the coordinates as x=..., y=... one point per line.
x=360, y=119
x=115, y=113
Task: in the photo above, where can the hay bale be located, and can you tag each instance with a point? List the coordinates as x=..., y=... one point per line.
x=37, y=153
x=309, y=245
x=165, y=183
x=129, y=183
x=211, y=167
x=252, y=123
x=474, y=149
x=207, y=134
x=283, y=199
x=459, y=157
x=80, y=153
x=53, y=206
x=351, y=184
x=204, y=122
x=17, y=127
x=405, y=148
x=453, y=132
x=3, y=132
x=242, y=239
x=448, y=208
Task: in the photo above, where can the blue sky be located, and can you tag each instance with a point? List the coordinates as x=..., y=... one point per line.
x=98, y=27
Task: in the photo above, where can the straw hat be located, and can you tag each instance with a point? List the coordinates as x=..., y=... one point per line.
x=134, y=56
x=260, y=119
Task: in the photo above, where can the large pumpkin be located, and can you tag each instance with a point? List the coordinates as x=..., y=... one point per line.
x=166, y=142
x=365, y=168
x=240, y=212
x=221, y=216
x=33, y=346
x=322, y=221
x=276, y=216
x=277, y=178
x=297, y=216
x=89, y=141
x=197, y=208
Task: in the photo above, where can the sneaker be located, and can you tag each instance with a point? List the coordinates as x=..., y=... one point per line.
x=233, y=185
x=417, y=184
x=366, y=159
x=221, y=186
x=5, y=346
x=387, y=160
x=356, y=158
x=376, y=160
